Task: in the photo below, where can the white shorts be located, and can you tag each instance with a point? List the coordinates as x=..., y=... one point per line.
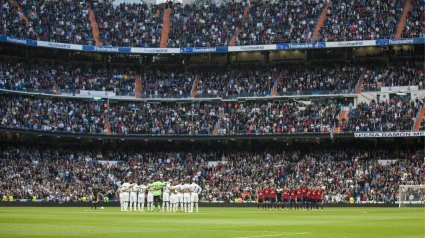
x=186, y=197
x=173, y=198
x=141, y=198
x=133, y=197
x=166, y=197
x=126, y=196
x=121, y=197
x=194, y=197
x=150, y=197
x=179, y=197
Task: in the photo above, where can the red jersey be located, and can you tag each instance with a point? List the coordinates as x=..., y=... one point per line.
x=304, y=191
x=293, y=192
x=260, y=194
x=319, y=194
x=285, y=194
x=314, y=194
x=309, y=194
x=273, y=193
x=299, y=193
x=266, y=192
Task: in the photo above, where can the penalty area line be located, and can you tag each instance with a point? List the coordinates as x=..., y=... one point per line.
x=275, y=235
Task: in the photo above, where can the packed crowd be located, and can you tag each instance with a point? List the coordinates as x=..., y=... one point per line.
x=58, y=21
x=169, y=82
x=68, y=174
x=50, y=115
x=280, y=22
x=393, y=115
x=415, y=20
x=198, y=118
x=263, y=22
x=324, y=78
x=361, y=20
x=238, y=80
x=42, y=76
x=395, y=73
x=255, y=118
x=136, y=25
x=204, y=25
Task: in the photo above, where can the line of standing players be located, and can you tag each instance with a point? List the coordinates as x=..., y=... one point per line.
x=305, y=198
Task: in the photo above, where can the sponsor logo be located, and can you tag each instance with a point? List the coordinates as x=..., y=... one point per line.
x=352, y=43
x=257, y=47
x=16, y=40
x=153, y=50
x=59, y=45
x=298, y=46
x=107, y=49
x=209, y=49
x=401, y=41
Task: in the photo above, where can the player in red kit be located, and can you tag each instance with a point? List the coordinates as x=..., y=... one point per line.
x=260, y=198
x=273, y=198
x=285, y=198
x=292, y=196
x=299, y=197
x=304, y=190
x=266, y=192
x=314, y=197
x=309, y=199
x=319, y=196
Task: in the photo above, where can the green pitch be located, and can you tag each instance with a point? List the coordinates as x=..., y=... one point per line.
x=212, y=222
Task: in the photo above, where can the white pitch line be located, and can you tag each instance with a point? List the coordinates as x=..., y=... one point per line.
x=284, y=234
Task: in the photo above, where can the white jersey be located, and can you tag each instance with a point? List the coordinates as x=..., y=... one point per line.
x=166, y=188
x=133, y=188
x=178, y=188
x=186, y=188
x=125, y=187
x=195, y=188
x=141, y=189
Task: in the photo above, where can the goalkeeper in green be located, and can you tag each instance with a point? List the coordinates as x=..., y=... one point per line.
x=156, y=190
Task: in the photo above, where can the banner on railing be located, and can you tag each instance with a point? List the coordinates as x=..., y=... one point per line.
x=350, y=43
x=217, y=49
x=297, y=46
x=97, y=93
x=389, y=134
x=204, y=49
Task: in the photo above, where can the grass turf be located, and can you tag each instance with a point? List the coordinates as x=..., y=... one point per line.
x=212, y=222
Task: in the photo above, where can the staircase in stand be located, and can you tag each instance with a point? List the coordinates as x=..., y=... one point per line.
x=94, y=28
x=238, y=30
x=195, y=85
x=403, y=18
x=165, y=28
x=138, y=86
x=15, y=4
x=419, y=120
x=360, y=84
x=342, y=116
x=107, y=126
x=320, y=22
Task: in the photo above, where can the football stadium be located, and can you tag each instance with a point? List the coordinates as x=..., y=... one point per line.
x=212, y=118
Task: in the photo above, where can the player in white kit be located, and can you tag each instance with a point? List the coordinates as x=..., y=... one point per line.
x=121, y=196
x=195, y=190
x=179, y=190
x=150, y=199
x=166, y=197
x=173, y=197
x=133, y=196
x=141, y=190
x=126, y=195
x=186, y=197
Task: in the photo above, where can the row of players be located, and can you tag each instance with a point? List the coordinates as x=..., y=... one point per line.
x=306, y=197
x=170, y=194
